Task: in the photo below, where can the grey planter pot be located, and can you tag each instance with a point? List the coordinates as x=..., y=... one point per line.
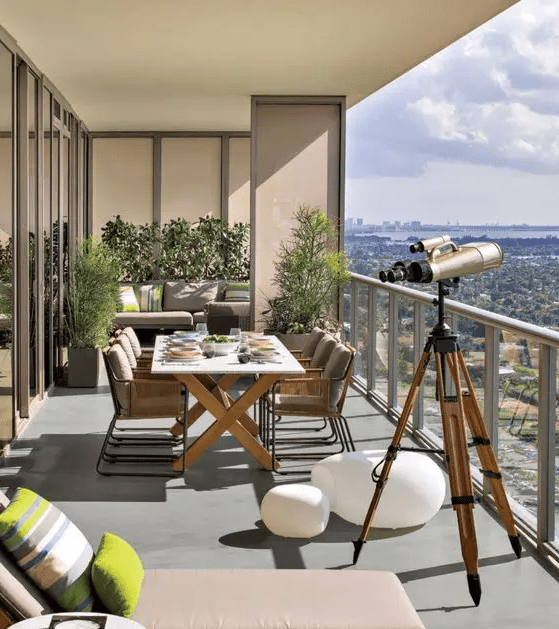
x=293, y=341
x=84, y=366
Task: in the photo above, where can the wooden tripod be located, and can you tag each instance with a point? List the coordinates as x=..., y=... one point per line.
x=458, y=407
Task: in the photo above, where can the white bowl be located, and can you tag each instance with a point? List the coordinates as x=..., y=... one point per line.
x=222, y=349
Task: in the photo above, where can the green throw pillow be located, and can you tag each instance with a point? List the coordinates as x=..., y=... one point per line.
x=117, y=574
x=127, y=300
x=237, y=291
x=49, y=548
x=149, y=297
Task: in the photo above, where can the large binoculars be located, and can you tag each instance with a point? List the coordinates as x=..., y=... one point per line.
x=444, y=260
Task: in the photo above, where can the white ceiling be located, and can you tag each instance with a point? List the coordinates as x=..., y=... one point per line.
x=194, y=64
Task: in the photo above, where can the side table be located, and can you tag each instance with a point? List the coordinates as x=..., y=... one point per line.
x=44, y=622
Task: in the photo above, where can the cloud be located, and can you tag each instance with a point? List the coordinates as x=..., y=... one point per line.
x=490, y=99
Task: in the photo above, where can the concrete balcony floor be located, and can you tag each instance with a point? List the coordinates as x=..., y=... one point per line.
x=210, y=519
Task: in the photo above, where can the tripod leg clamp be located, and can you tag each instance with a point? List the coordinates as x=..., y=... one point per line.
x=479, y=441
x=462, y=500
x=490, y=474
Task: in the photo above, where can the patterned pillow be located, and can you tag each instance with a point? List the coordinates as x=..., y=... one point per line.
x=237, y=291
x=127, y=299
x=49, y=548
x=150, y=297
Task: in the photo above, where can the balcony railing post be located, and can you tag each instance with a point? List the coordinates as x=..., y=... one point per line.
x=353, y=313
x=392, y=351
x=372, y=346
x=547, y=416
x=491, y=389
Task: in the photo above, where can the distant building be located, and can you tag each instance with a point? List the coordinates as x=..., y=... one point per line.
x=348, y=224
x=359, y=222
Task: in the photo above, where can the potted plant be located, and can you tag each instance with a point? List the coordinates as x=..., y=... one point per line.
x=308, y=276
x=91, y=306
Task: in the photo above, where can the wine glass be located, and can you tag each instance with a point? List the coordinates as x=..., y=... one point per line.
x=201, y=329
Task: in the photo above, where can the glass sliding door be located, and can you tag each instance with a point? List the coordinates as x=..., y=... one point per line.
x=6, y=246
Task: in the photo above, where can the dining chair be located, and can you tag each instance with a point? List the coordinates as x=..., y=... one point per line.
x=321, y=398
x=140, y=396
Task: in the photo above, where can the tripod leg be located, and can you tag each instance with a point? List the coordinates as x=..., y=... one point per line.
x=392, y=451
x=490, y=466
x=461, y=488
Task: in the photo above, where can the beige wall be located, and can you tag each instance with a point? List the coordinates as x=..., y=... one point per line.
x=297, y=162
x=190, y=178
x=122, y=180
x=239, y=180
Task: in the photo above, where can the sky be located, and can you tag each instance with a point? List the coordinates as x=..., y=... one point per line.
x=470, y=136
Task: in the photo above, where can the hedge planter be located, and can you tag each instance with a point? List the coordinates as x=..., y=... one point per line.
x=84, y=367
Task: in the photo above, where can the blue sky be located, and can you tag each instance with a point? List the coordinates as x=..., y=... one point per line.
x=471, y=135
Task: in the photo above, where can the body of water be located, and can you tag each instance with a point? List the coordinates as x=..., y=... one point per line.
x=476, y=231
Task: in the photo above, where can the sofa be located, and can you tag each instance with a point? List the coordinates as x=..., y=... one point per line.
x=178, y=304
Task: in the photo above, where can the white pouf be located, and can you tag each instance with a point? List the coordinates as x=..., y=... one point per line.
x=413, y=493
x=295, y=510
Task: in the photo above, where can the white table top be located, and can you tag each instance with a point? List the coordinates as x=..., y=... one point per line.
x=284, y=363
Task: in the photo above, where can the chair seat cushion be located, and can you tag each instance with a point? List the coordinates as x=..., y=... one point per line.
x=295, y=404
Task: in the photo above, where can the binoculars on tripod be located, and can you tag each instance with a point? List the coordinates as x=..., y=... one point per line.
x=444, y=260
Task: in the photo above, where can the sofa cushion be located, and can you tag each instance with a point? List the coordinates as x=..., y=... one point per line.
x=192, y=296
x=49, y=548
x=176, y=319
x=150, y=297
x=237, y=291
x=117, y=574
x=127, y=299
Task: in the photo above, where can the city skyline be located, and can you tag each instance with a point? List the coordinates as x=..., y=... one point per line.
x=470, y=135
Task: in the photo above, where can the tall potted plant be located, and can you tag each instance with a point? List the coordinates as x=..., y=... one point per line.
x=308, y=275
x=92, y=302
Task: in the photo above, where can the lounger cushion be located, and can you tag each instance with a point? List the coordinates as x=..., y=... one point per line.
x=268, y=599
x=117, y=575
x=49, y=548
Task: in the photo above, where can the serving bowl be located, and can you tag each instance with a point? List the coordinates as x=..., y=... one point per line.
x=220, y=349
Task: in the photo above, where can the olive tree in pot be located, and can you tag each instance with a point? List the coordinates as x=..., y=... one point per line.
x=91, y=306
x=309, y=273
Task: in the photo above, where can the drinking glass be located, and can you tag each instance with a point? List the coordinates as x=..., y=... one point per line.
x=208, y=349
x=236, y=333
x=202, y=329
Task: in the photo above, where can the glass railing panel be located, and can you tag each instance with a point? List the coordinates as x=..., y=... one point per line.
x=557, y=456
x=518, y=418
x=405, y=349
x=362, y=331
x=381, y=337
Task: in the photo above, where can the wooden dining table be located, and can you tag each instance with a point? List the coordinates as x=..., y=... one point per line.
x=209, y=380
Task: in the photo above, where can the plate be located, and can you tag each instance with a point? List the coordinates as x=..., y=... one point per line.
x=184, y=354
x=263, y=353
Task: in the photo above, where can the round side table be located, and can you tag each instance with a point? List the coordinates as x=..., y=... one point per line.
x=106, y=621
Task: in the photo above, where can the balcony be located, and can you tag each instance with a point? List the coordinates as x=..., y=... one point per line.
x=210, y=518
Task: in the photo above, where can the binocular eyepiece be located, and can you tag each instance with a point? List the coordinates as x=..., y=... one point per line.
x=444, y=260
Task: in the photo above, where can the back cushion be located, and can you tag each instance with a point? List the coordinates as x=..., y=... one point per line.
x=150, y=297
x=237, y=291
x=336, y=368
x=119, y=363
x=124, y=342
x=18, y=594
x=127, y=300
x=49, y=548
x=314, y=339
x=134, y=341
x=323, y=351
x=191, y=297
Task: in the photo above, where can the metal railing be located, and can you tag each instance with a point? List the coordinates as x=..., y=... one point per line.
x=514, y=368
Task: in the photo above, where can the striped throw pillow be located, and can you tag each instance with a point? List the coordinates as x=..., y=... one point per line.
x=127, y=300
x=237, y=291
x=50, y=549
x=150, y=297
